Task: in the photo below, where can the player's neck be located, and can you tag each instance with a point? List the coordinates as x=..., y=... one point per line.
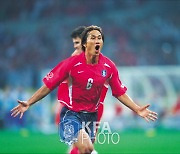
x=91, y=59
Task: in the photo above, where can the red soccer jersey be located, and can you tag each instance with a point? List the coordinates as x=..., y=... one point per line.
x=87, y=81
x=63, y=93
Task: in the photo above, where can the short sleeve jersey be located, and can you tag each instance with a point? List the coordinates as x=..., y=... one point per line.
x=87, y=81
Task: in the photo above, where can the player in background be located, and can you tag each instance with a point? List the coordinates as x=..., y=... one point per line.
x=76, y=38
x=89, y=72
x=63, y=89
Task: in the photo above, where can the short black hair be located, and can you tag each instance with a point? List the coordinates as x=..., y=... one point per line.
x=77, y=32
x=85, y=33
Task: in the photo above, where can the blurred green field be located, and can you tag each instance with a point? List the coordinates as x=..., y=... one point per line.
x=161, y=141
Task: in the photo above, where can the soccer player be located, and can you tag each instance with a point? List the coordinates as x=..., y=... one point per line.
x=89, y=72
x=76, y=38
x=65, y=87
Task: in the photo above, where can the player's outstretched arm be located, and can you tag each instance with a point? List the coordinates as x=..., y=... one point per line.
x=143, y=111
x=24, y=105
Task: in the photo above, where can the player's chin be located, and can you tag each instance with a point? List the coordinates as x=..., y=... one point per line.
x=97, y=53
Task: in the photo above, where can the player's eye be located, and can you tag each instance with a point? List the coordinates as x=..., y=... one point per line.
x=99, y=37
x=76, y=42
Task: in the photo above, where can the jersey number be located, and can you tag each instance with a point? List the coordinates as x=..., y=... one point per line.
x=89, y=83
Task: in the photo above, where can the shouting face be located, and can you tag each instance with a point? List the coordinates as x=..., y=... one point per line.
x=94, y=43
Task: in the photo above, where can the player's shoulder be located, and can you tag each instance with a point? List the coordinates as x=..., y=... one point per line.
x=73, y=58
x=108, y=61
x=68, y=62
x=77, y=57
x=76, y=52
x=76, y=60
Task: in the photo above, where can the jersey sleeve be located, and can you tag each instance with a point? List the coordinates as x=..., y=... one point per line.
x=58, y=74
x=117, y=87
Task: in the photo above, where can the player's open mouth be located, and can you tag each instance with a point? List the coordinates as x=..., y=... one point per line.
x=97, y=47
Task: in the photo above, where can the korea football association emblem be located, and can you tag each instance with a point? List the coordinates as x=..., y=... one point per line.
x=68, y=131
x=104, y=73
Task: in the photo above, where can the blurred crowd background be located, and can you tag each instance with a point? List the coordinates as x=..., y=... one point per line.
x=35, y=36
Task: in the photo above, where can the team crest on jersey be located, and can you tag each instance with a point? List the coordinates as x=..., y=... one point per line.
x=104, y=73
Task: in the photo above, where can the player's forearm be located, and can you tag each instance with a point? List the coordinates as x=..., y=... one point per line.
x=39, y=94
x=126, y=100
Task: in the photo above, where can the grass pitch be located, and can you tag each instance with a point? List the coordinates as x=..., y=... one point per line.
x=160, y=141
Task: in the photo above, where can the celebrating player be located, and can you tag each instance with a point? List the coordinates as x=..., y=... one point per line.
x=88, y=71
x=65, y=87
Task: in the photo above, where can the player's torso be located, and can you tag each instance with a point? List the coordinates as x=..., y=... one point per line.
x=89, y=77
x=88, y=80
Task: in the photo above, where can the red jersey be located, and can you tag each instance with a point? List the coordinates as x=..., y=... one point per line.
x=63, y=93
x=87, y=81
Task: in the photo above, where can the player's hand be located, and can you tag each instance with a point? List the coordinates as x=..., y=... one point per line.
x=19, y=109
x=147, y=114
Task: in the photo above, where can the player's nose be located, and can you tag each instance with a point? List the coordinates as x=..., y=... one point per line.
x=75, y=46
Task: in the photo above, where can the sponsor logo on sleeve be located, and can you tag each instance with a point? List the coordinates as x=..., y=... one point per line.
x=49, y=75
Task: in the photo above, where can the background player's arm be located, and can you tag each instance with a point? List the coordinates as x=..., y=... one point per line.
x=141, y=111
x=24, y=105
